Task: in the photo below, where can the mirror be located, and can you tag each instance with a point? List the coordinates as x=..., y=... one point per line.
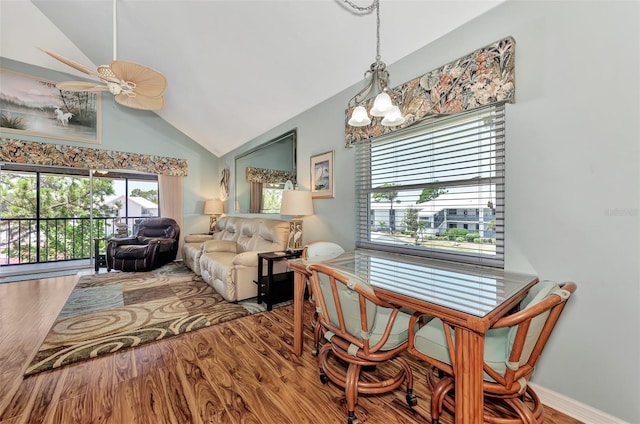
x=262, y=172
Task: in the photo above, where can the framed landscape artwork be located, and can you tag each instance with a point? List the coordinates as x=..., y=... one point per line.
x=322, y=184
x=34, y=106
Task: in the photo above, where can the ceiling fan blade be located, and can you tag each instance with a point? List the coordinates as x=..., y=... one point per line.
x=140, y=101
x=81, y=86
x=71, y=63
x=106, y=74
x=148, y=82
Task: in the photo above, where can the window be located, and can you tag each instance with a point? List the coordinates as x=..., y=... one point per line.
x=417, y=182
x=52, y=214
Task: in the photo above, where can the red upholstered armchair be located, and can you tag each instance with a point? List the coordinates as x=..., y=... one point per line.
x=155, y=244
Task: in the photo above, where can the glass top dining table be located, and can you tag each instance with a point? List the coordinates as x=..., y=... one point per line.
x=468, y=289
x=470, y=298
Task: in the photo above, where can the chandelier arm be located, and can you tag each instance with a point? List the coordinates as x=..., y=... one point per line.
x=362, y=95
x=383, y=78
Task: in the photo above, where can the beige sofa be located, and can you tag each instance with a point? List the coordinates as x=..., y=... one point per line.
x=228, y=260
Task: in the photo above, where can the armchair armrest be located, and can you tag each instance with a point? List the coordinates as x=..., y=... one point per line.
x=220, y=246
x=119, y=241
x=149, y=240
x=164, y=245
x=249, y=259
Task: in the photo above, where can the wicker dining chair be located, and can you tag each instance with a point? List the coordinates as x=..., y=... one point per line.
x=318, y=251
x=363, y=332
x=513, y=346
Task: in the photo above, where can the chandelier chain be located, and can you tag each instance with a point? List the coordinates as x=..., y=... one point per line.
x=377, y=78
x=375, y=4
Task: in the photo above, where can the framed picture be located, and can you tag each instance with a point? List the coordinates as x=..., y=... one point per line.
x=34, y=106
x=322, y=184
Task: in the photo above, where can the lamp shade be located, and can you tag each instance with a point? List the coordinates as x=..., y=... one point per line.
x=381, y=105
x=213, y=207
x=393, y=117
x=359, y=117
x=296, y=203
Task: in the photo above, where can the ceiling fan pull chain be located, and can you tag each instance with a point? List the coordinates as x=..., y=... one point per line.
x=115, y=30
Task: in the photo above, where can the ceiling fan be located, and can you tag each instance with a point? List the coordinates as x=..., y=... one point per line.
x=133, y=85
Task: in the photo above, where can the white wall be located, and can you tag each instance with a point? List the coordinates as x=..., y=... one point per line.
x=572, y=198
x=137, y=131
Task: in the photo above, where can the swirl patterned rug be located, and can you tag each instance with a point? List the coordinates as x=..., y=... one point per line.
x=108, y=312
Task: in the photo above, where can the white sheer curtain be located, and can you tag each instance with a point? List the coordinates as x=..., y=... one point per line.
x=171, y=202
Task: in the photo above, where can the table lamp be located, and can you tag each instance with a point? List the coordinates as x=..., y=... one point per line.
x=296, y=203
x=213, y=208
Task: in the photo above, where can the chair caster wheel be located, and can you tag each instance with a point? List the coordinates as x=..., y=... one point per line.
x=412, y=400
x=352, y=419
x=323, y=378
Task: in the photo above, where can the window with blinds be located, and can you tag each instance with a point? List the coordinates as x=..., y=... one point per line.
x=435, y=189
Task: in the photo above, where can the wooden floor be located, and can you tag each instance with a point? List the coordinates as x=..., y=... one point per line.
x=243, y=371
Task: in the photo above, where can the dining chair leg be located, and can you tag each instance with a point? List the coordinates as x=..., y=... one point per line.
x=317, y=334
x=351, y=390
x=438, y=394
x=411, y=398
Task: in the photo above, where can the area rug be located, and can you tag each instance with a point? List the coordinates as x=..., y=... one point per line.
x=109, y=312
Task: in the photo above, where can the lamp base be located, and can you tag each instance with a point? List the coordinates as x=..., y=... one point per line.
x=212, y=224
x=295, y=236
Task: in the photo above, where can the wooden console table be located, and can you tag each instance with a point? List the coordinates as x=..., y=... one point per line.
x=471, y=298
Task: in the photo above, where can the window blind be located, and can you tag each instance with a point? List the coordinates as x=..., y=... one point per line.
x=435, y=189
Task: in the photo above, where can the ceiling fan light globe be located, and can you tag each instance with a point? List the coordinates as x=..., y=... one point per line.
x=381, y=105
x=393, y=117
x=359, y=117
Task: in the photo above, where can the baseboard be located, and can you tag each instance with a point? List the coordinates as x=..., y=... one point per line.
x=573, y=408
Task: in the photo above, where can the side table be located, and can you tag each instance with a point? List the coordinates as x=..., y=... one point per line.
x=274, y=288
x=100, y=259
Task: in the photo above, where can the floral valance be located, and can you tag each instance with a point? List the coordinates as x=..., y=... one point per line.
x=480, y=78
x=34, y=153
x=263, y=175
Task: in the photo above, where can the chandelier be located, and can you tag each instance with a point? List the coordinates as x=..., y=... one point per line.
x=377, y=81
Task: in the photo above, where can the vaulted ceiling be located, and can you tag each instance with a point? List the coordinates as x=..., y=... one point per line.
x=236, y=68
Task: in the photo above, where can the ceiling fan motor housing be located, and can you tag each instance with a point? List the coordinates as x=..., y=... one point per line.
x=114, y=88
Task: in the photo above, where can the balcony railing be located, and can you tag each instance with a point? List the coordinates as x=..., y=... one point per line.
x=33, y=240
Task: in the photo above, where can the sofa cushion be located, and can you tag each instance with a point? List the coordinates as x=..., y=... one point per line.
x=220, y=246
x=266, y=236
x=228, y=228
x=197, y=238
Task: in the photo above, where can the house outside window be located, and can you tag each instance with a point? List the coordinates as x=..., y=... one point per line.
x=436, y=189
